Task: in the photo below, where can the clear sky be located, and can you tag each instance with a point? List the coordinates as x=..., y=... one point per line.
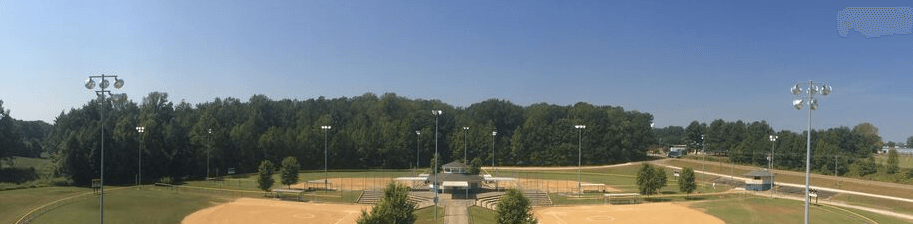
x=679, y=60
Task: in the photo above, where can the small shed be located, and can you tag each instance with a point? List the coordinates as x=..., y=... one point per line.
x=759, y=180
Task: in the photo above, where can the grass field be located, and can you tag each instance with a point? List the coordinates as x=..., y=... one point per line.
x=425, y=215
x=904, y=161
x=754, y=210
x=481, y=215
x=816, y=181
x=876, y=203
x=133, y=206
x=24, y=162
x=16, y=203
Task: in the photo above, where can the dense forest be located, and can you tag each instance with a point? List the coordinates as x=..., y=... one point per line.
x=370, y=131
x=366, y=132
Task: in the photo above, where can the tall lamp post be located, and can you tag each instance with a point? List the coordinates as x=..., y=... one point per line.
x=418, y=134
x=770, y=161
x=493, y=134
x=208, y=152
x=704, y=163
x=807, y=97
x=326, y=186
x=465, y=144
x=90, y=84
x=434, y=167
x=579, y=152
x=139, y=166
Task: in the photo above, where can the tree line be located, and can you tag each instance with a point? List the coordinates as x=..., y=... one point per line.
x=21, y=138
x=842, y=148
x=366, y=131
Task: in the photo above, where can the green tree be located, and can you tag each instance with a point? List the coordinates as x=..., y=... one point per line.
x=393, y=208
x=514, y=208
x=686, y=182
x=265, y=175
x=893, y=161
x=475, y=167
x=650, y=179
x=289, y=171
x=910, y=142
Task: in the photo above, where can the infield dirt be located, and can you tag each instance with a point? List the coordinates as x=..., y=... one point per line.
x=650, y=213
x=259, y=211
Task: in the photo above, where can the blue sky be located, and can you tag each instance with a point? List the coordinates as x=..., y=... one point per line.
x=679, y=60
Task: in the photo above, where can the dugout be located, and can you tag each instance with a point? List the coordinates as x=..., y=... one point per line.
x=758, y=180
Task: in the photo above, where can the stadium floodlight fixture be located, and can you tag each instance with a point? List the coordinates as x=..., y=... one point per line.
x=139, y=166
x=326, y=177
x=465, y=144
x=118, y=83
x=798, y=103
x=579, y=153
x=90, y=84
x=810, y=100
x=418, y=135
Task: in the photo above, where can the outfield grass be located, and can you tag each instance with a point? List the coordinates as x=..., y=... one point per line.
x=815, y=181
x=424, y=216
x=622, y=178
x=133, y=206
x=16, y=203
x=481, y=215
x=875, y=203
x=756, y=210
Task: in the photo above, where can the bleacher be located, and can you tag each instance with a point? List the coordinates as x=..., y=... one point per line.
x=537, y=197
x=488, y=200
x=370, y=196
x=420, y=199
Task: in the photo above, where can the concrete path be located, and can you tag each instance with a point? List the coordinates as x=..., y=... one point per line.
x=456, y=211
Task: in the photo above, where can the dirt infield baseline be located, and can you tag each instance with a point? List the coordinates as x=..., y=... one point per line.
x=350, y=183
x=565, y=186
x=269, y=211
x=651, y=213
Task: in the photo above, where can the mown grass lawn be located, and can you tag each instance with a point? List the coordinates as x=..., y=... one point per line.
x=481, y=215
x=756, y=210
x=426, y=215
x=815, y=181
x=16, y=203
x=134, y=206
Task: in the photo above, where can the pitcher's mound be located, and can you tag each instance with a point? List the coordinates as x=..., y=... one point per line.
x=259, y=211
x=650, y=213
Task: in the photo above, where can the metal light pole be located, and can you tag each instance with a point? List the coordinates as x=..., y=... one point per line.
x=464, y=144
x=139, y=166
x=579, y=152
x=493, y=134
x=436, y=156
x=773, y=142
x=325, y=176
x=208, y=152
x=704, y=154
x=90, y=84
x=418, y=134
x=807, y=98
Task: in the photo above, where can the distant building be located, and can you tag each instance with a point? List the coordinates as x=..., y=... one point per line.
x=759, y=180
x=456, y=177
x=676, y=151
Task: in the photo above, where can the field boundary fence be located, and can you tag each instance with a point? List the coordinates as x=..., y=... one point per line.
x=41, y=210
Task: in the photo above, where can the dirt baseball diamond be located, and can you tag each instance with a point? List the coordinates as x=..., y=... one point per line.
x=380, y=183
x=650, y=213
x=259, y=211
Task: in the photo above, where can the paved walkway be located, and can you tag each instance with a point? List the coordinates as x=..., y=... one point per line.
x=456, y=211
